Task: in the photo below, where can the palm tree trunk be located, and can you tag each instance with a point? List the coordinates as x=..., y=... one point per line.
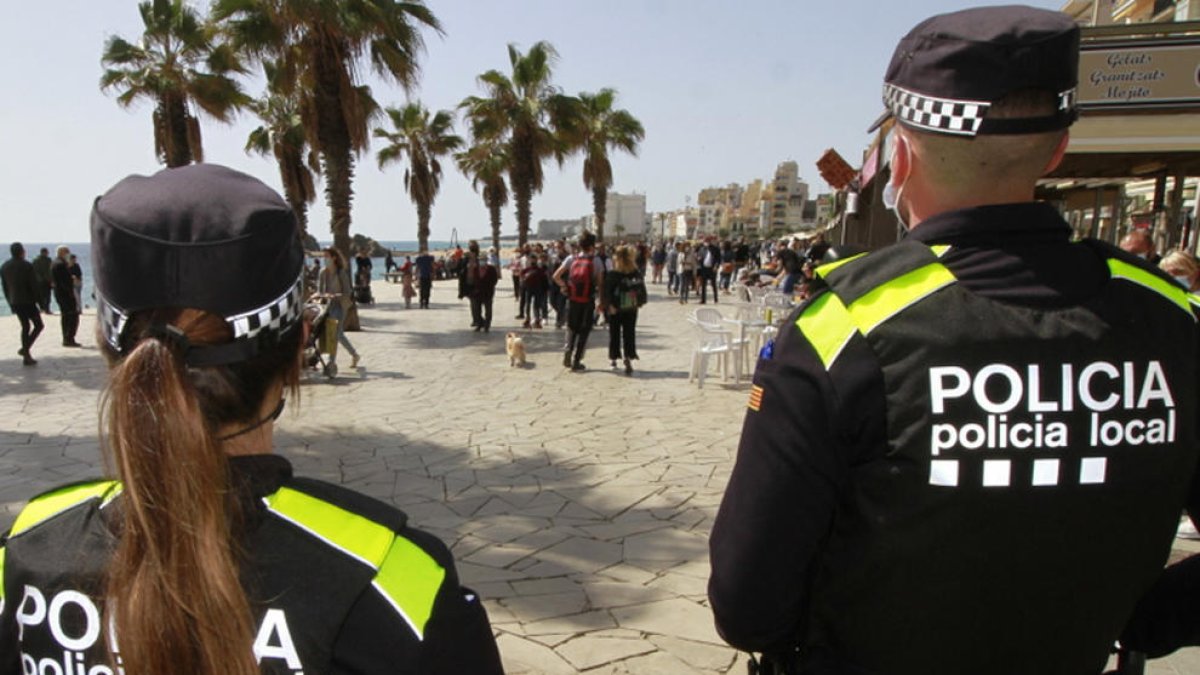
x=337, y=158
x=600, y=207
x=176, y=150
x=423, y=213
x=494, y=212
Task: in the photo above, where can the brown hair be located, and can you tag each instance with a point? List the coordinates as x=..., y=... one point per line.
x=339, y=260
x=172, y=584
x=623, y=260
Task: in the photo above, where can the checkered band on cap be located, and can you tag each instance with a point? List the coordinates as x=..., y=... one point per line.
x=944, y=115
x=276, y=316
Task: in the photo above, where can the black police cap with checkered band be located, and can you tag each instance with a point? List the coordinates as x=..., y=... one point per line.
x=203, y=237
x=946, y=73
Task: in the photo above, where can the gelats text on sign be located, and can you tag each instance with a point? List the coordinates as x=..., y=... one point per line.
x=1140, y=76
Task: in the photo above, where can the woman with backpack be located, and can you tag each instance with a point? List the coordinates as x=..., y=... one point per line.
x=624, y=293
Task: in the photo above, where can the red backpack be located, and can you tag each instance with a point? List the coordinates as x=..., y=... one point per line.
x=579, y=283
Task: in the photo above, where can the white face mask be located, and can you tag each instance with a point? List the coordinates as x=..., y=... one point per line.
x=1184, y=281
x=891, y=193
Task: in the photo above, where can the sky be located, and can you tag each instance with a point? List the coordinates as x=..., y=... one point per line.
x=725, y=91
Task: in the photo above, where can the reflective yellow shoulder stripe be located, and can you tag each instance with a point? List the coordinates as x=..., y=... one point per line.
x=2, y=549
x=828, y=327
x=51, y=504
x=1123, y=270
x=940, y=250
x=1194, y=299
x=409, y=579
x=829, y=267
x=406, y=576
x=886, y=300
x=354, y=535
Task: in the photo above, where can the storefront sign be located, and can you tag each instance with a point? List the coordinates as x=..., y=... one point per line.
x=1135, y=76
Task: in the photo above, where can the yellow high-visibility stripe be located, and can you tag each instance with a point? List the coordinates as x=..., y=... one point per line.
x=51, y=504
x=888, y=299
x=2, y=549
x=940, y=250
x=829, y=267
x=828, y=327
x=357, y=536
x=410, y=578
x=1123, y=270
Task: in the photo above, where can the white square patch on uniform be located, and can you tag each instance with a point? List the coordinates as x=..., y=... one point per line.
x=1091, y=470
x=997, y=472
x=943, y=472
x=1045, y=472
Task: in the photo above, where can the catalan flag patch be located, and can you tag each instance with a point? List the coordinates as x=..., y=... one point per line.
x=756, y=394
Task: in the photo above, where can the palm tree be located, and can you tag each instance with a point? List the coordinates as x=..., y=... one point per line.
x=530, y=114
x=485, y=163
x=423, y=138
x=282, y=135
x=179, y=65
x=599, y=129
x=318, y=45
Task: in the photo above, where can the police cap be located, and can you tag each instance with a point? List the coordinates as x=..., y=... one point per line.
x=950, y=68
x=204, y=237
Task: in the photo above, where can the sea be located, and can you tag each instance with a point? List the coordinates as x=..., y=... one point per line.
x=84, y=251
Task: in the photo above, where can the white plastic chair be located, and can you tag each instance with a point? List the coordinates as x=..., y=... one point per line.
x=709, y=341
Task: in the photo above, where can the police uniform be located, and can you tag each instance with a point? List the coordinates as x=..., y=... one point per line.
x=337, y=582
x=967, y=453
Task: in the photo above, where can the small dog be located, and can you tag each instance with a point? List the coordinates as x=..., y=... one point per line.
x=514, y=346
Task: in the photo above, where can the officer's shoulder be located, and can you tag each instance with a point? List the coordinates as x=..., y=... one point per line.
x=353, y=502
x=46, y=505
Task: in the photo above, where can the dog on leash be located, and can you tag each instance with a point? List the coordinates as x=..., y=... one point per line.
x=514, y=346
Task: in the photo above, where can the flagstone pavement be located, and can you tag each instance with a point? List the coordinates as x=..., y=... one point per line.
x=578, y=505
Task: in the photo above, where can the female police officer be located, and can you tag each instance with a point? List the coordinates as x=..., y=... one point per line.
x=206, y=555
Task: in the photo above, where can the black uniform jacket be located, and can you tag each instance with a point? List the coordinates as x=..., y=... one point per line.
x=338, y=581
x=807, y=440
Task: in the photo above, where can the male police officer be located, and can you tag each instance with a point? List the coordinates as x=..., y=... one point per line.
x=969, y=451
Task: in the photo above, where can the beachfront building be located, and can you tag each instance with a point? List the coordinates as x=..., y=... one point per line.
x=548, y=230
x=624, y=216
x=1107, y=12
x=781, y=204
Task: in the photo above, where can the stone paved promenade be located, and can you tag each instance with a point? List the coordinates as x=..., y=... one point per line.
x=578, y=505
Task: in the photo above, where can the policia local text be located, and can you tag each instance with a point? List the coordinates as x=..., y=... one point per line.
x=1101, y=387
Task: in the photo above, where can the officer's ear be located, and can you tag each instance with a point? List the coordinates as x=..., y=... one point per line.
x=901, y=162
x=1060, y=151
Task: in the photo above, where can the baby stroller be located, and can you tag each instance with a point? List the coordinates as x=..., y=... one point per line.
x=322, y=338
x=362, y=287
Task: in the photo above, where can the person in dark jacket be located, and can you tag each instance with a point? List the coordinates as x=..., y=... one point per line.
x=204, y=554
x=968, y=451
x=64, y=296
x=41, y=271
x=625, y=293
x=21, y=290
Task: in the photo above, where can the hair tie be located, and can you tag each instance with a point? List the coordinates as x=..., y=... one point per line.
x=169, y=335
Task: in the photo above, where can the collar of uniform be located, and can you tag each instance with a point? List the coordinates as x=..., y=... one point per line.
x=262, y=475
x=999, y=224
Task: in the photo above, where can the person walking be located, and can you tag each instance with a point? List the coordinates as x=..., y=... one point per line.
x=968, y=451
x=21, y=291
x=203, y=554
x=406, y=282
x=580, y=277
x=624, y=294
x=76, y=271
x=685, y=271
x=64, y=296
x=424, y=267
x=673, y=268
x=42, y=280
x=335, y=287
